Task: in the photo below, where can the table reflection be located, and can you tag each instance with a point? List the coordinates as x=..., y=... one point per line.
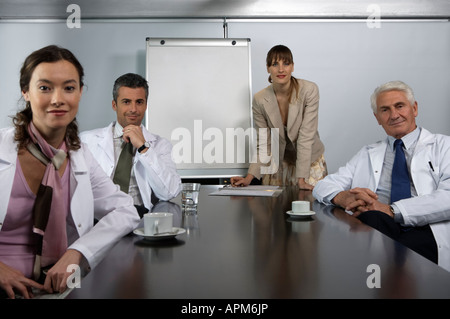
x=285, y=249
x=397, y=274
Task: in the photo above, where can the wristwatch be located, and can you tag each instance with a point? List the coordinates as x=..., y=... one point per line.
x=392, y=210
x=143, y=147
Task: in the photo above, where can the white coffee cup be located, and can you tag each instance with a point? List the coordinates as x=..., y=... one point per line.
x=300, y=206
x=157, y=223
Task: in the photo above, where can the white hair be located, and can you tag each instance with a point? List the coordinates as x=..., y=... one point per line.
x=392, y=86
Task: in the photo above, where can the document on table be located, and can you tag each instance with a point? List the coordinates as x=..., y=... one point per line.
x=39, y=294
x=251, y=190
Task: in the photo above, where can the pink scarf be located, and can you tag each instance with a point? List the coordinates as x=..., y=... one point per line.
x=49, y=213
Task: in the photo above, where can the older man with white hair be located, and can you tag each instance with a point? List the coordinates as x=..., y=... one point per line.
x=401, y=185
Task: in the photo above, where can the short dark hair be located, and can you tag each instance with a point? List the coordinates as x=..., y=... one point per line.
x=130, y=80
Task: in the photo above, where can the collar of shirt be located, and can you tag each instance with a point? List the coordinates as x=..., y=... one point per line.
x=409, y=140
x=117, y=130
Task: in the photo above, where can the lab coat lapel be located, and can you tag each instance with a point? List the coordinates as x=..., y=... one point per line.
x=8, y=158
x=80, y=192
x=104, y=142
x=425, y=138
x=424, y=159
x=376, y=156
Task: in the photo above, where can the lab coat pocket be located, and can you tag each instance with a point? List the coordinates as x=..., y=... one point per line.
x=434, y=172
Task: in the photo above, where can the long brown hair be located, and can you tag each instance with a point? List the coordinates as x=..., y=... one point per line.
x=283, y=53
x=22, y=119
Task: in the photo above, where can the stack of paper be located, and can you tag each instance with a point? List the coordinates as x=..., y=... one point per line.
x=251, y=190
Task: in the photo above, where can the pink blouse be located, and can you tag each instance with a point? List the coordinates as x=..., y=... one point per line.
x=17, y=240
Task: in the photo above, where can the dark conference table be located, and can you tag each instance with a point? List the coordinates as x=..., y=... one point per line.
x=249, y=248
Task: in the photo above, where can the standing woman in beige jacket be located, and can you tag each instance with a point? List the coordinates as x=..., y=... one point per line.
x=291, y=106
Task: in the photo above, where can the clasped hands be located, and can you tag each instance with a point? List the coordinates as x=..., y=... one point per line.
x=359, y=200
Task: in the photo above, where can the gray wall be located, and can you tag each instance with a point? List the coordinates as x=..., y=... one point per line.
x=347, y=59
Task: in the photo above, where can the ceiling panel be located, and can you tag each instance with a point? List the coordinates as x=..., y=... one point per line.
x=138, y=9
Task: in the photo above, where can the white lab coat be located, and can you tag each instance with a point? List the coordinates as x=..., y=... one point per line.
x=432, y=183
x=154, y=170
x=93, y=194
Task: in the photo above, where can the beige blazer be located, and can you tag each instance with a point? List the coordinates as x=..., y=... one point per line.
x=302, y=124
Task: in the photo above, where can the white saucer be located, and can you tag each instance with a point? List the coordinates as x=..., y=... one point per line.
x=140, y=232
x=305, y=214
